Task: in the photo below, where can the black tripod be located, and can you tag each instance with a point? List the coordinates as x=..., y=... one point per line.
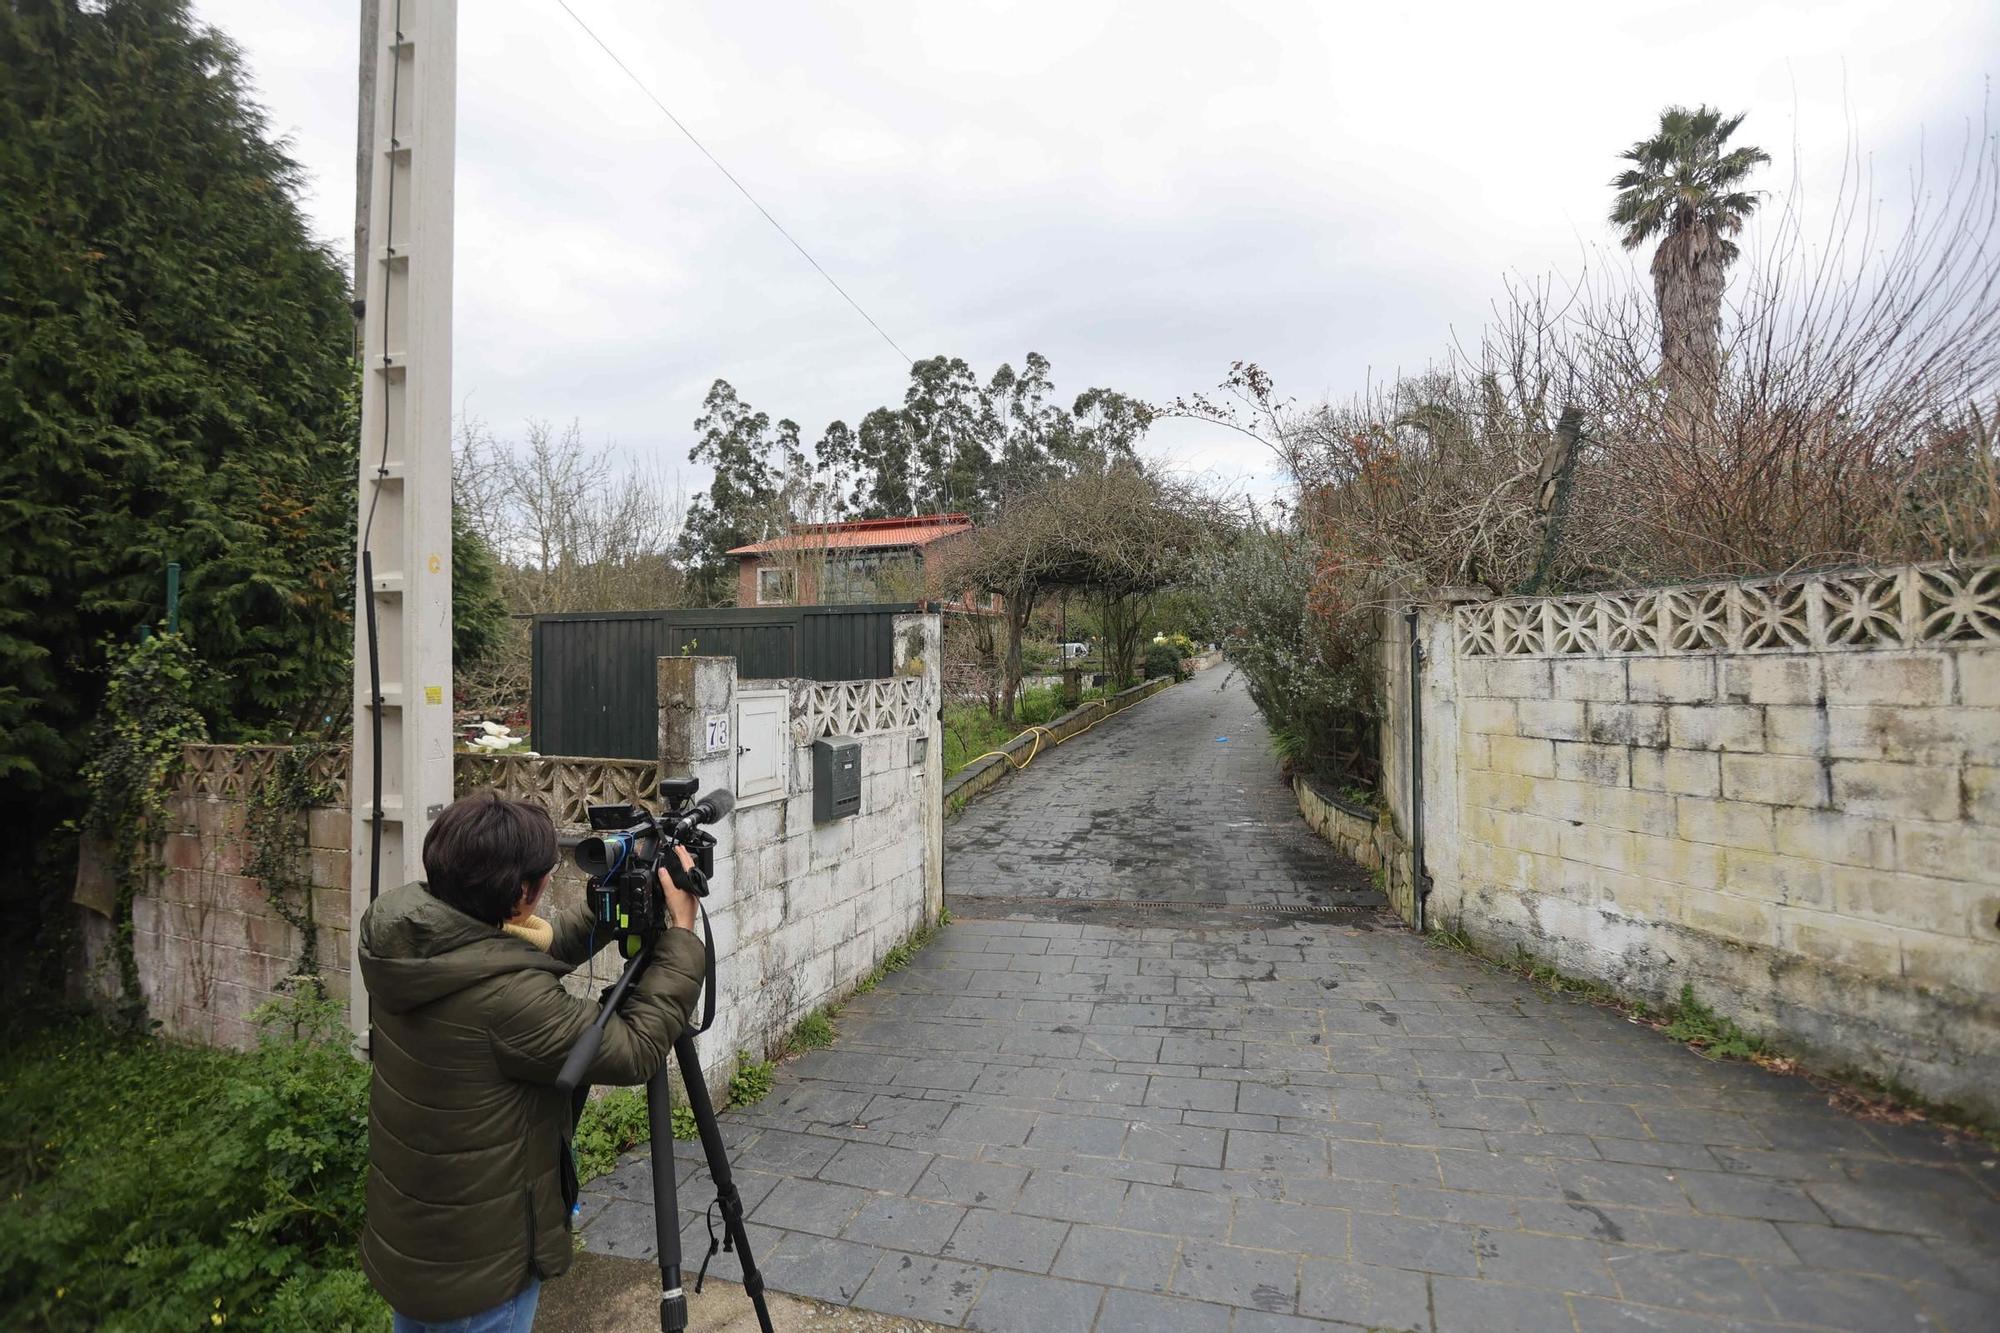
x=659, y=1117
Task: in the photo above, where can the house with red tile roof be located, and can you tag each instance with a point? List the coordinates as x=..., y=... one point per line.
x=860, y=560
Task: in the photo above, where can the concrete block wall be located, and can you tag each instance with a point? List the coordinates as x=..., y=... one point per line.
x=801, y=911
x=209, y=947
x=1797, y=811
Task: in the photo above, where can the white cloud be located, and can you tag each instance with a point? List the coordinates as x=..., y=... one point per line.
x=1142, y=192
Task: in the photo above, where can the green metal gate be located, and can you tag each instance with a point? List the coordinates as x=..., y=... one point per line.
x=594, y=673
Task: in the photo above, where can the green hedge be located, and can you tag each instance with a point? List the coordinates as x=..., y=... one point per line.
x=152, y=1186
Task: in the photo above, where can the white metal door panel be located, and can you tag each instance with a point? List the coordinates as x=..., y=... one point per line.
x=761, y=744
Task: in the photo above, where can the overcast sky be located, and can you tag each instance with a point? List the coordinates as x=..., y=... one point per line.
x=1142, y=192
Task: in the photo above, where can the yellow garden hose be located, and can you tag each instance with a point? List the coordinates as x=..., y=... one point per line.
x=1033, y=750
x=1037, y=732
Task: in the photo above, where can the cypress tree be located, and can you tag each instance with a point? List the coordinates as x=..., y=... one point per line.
x=176, y=384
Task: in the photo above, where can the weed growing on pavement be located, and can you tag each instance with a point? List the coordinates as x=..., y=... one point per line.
x=751, y=1081
x=815, y=1032
x=1546, y=974
x=1709, y=1032
x=610, y=1126
x=1716, y=1036
x=1452, y=939
x=901, y=953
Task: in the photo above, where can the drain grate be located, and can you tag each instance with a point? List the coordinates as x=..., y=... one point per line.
x=1168, y=905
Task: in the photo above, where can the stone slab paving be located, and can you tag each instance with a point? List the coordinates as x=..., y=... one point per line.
x=1067, y=1115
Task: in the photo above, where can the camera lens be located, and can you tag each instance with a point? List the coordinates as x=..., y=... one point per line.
x=595, y=856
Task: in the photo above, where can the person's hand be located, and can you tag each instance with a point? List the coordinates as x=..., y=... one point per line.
x=681, y=905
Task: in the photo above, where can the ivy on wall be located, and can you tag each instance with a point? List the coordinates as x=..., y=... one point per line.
x=275, y=823
x=135, y=755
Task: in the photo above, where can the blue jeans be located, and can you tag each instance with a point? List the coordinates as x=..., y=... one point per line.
x=516, y=1314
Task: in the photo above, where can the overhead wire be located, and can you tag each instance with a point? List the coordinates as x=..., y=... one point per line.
x=730, y=176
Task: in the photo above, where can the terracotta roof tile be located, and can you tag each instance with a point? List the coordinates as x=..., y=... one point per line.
x=863, y=534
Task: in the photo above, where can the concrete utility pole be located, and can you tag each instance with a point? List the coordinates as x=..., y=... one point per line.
x=364, y=159
x=401, y=774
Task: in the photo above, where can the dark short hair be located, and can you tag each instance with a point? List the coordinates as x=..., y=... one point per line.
x=483, y=848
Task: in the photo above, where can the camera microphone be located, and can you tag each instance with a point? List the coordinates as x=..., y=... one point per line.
x=707, y=810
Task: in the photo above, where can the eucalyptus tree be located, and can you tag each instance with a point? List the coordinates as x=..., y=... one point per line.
x=1685, y=188
x=736, y=442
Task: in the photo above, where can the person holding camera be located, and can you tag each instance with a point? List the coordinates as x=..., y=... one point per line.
x=470, y=1179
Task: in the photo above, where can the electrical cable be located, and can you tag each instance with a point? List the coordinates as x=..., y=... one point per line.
x=381, y=474
x=740, y=188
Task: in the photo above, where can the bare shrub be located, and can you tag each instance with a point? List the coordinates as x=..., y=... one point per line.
x=1853, y=420
x=573, y=529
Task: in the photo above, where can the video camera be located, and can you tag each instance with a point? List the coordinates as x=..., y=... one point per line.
x=632, y=845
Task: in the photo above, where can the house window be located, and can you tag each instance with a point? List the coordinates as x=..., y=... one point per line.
x=851, y=578
x=776, y=587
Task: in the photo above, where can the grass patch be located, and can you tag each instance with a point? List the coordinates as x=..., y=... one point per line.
x=970, y=731
x=1456, y=940
x=900, y=955
x=1709, y=1032
x=1546, y=975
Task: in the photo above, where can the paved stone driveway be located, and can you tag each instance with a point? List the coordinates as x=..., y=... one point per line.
x=1177, y=800
x=1069, y=1115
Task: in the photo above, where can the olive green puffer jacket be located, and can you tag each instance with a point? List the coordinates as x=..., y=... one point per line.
x=469, y=1175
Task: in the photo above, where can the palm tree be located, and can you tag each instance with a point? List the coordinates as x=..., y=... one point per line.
x=1682, y=187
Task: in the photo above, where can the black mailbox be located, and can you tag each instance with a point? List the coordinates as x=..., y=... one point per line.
x=836, y=778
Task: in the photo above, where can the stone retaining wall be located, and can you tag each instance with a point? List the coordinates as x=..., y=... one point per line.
x=1362, y=833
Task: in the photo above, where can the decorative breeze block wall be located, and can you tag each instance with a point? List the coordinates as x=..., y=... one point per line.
x=1785, y=793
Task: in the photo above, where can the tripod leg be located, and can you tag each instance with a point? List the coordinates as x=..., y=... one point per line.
x=666, y=1204
x=727, y=1200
